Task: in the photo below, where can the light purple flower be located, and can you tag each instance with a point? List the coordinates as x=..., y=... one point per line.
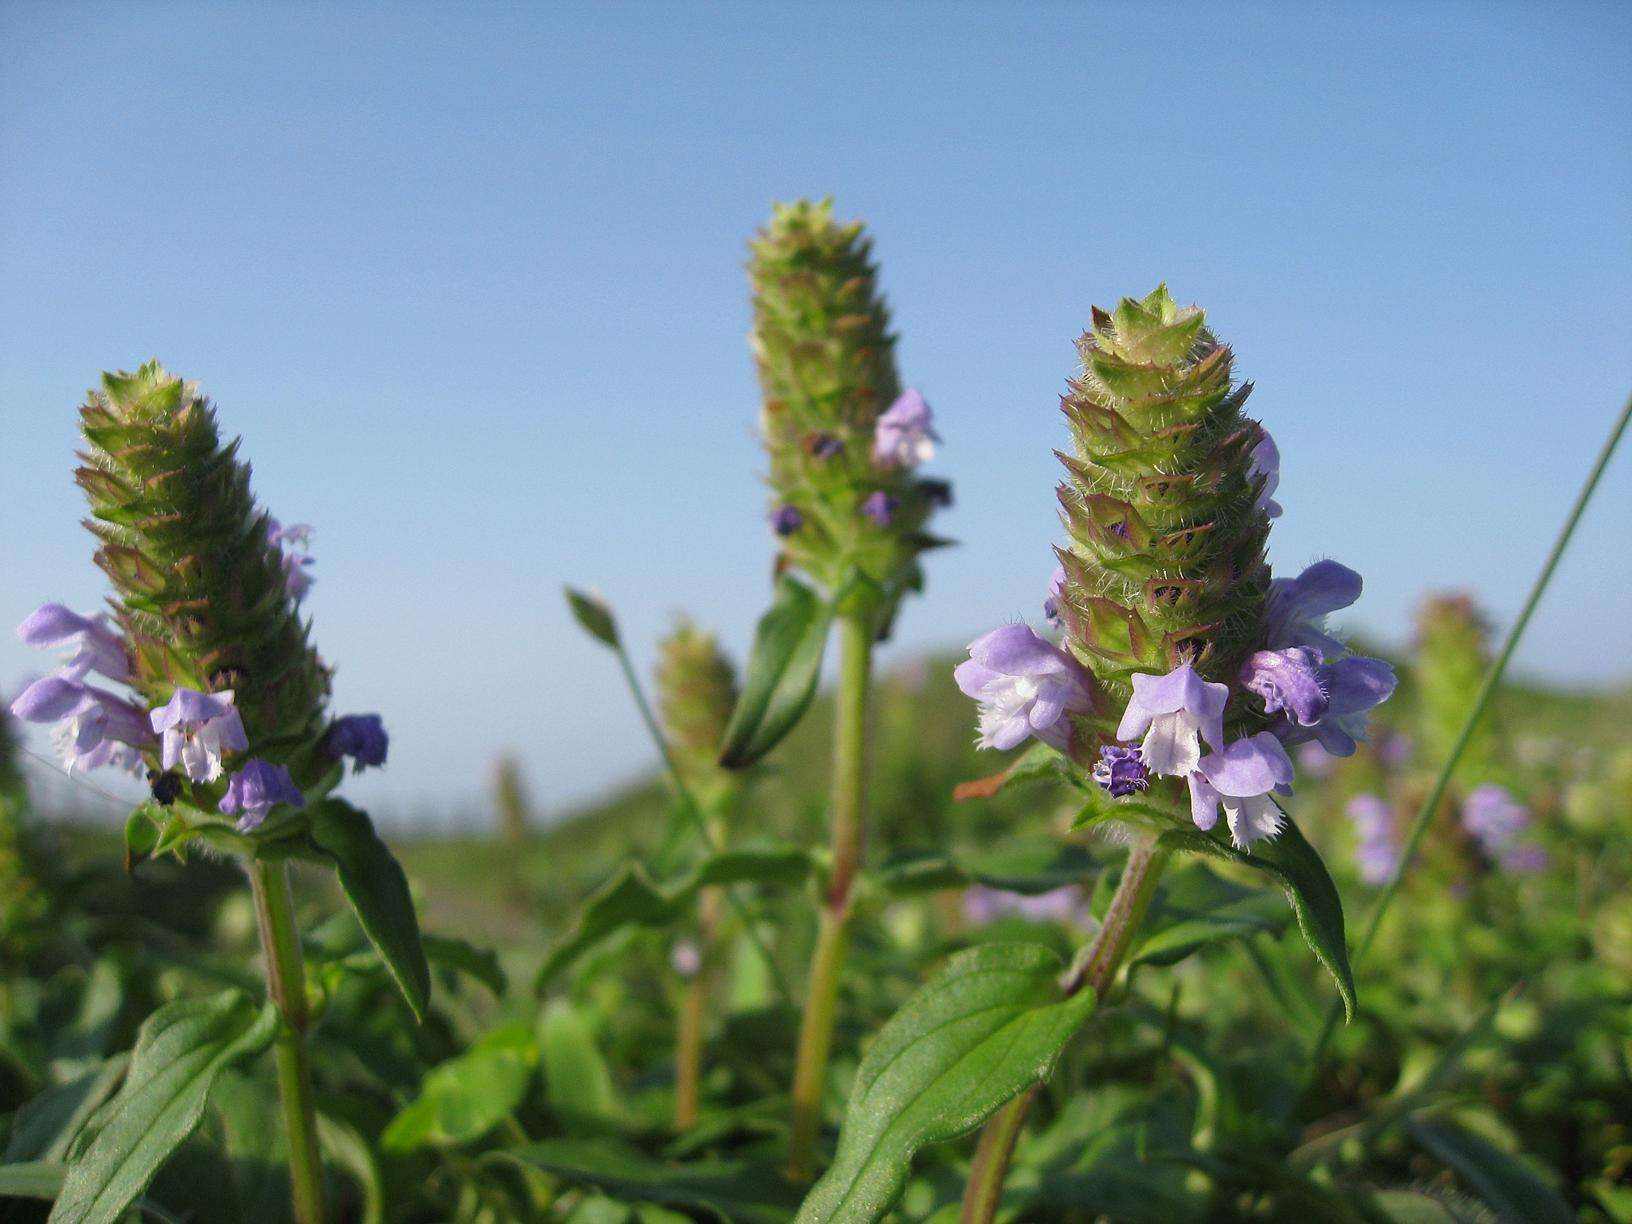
x=293, y=541
x=361, y=737
x=1174, y=713
x=1393, y=749
x=95, y=727
x=1297, y=607
x=1240, y=779
x=95, y=644
x=1051, y=605
x=1525, y=859
x=1265, y=460
x=983, y=905
x=1120, y=770
x=880, y=507
x=785, y=520
x=256, y=789
x=1315, y=760
x=1353, y=686
x=1287, y=680
x=903, y=436
x=1496, y=819
x=196, y=729
x=1378, y=850
x=1025, y=687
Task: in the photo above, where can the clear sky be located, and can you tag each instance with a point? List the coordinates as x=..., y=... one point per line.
x=468, y=280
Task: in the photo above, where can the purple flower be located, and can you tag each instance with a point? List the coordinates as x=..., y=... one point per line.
x=902, y=436
x=1025, y=686
x=1297, y=608
x=1051, y=605
x=1393, y=749
x=825, y=445
x=1315, y=760
x=1264, y=461
x=1496, y=819
x=1240, y=779
x=1120, y=770
x=96, y=645
x=983, y=905
x=256, y=789
x=95, y=727
x=1173, y=713
x=293, y=541
x=1287, y=680
x=361, y=737
x=197, y=728
x=1378, y=851
x=785, y=520
x=880, y=507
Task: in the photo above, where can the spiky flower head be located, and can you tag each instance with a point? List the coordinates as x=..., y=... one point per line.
x=696, y=693
x=1452, y=656
x=842, y=436
x=203, y=600
x=1162, y=505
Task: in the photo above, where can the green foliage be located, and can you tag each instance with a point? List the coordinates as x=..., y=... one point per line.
x=180, y=1051
x=467, y=1096
x=783, y=668
x=987, y=1026
x=594, y=616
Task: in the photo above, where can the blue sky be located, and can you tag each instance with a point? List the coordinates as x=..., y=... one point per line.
x=468, y=280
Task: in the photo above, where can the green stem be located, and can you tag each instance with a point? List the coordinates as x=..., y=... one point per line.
x=694, y=813
x=1493, y=677
x=1095, y=968
x=286, y=986
x=847, y=832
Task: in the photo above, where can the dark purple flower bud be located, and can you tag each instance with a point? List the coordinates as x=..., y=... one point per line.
x=256, y=789
x=936, y=492
x=361, y=737
x=1120, y=770
x=880, y=507
x=786, y=520
x=825, y=446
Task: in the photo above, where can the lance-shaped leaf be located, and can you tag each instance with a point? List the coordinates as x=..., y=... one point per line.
x=1295, y=865
x=632, y=899
x=725, y=1190
x=782, y=673
x=43, y=1129
x=378, y=890
x=1504, y=1181
x=1169, y=942
x=467, y=1096
x=180, y=1051
x=594, y=615
x=577, y=1081
x=990, y=1024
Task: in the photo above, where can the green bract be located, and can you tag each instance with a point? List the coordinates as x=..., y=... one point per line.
x=1165, y=560
x=826, y=362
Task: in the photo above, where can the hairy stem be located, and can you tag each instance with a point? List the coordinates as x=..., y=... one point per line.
x=286, y=986
x=688, y=1038
x=848, y=829
x=1095, y=968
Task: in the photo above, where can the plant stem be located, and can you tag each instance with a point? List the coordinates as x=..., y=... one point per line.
x=688, y=1038
x=847, y=831
x=1095, y=968
x=286, y=986
x=1498, y=668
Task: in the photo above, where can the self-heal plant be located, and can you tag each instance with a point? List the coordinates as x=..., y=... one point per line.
x=227, y=711
x=1183, y=671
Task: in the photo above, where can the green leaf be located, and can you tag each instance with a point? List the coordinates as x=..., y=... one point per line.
x=45, y=1127
x=377, y=889
x=1504, y=1181
x=467, y=1096
x=1169, y=943
x=33, y=1179
x=345, y=1147
x=577, y=1081
x=990, y=1024
x=782, y=673
x=1031, y=866
x=594, y=615
x=447, y=952
x=180, y=1050
x=141, y=835
x=728, y=1190
x=1308, y=887
x=631, y=899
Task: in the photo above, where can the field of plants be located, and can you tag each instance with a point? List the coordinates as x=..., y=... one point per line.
x=1169, y=905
